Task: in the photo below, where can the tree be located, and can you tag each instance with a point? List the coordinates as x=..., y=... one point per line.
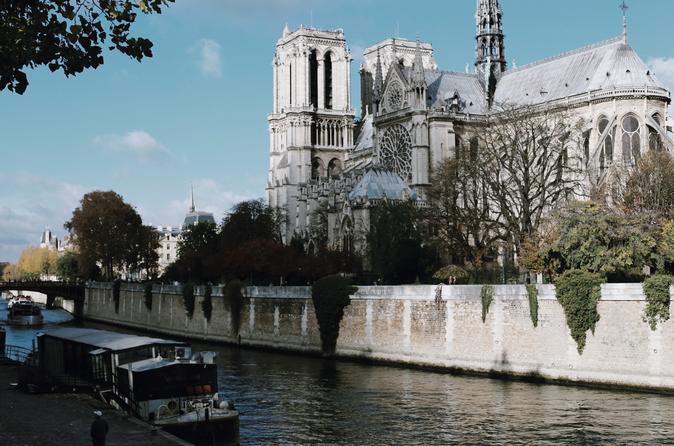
x=250, y=220
x=395, y=243
x=67, y=267
x=108, y=231
x=36, y=262
x=67, y=35
x=650, y=186
x=197, y=251
x=528, y=161
x=458, y=210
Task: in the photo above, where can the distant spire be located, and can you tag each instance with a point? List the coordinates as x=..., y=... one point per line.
x=286, y=31
x=192, y=208
x=623, y=7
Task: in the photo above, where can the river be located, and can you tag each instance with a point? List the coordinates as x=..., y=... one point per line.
x=290, y=399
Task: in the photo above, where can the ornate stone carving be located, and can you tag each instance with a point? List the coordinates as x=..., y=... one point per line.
x=395, y=151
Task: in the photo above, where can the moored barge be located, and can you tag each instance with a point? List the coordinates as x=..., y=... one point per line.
x=159, y=381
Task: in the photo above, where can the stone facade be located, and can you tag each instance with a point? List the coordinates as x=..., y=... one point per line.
x=426, y=326
x=414, y=116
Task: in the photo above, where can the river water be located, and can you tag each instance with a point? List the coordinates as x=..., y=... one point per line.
x=289, y=399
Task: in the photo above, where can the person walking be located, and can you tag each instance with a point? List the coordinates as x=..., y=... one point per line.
x=99, y=429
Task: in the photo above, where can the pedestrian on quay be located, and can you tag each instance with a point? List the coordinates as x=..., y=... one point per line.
x=99, y=429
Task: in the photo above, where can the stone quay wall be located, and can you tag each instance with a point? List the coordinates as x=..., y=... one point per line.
x=409, y=325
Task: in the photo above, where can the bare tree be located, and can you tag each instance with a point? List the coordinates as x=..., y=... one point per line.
x=529, y=161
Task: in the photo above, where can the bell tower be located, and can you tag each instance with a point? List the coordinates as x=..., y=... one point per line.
x=490, y=61
x=312, y=120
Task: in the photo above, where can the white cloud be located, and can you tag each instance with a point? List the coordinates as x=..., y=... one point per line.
x=209, y=196
x=33, y=203
x=664, y=70
x=210, y=58
x=138, y=142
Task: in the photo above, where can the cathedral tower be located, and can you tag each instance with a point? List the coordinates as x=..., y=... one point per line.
x=490, y=58
x=311, y=124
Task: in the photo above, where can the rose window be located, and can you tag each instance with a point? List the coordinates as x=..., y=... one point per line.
x=395, y=151
x=395, y=96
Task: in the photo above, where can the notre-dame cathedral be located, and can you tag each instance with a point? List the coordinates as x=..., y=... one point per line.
x=414, y=116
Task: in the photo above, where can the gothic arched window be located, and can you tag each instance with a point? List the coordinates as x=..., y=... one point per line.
x=654, y=140
x=586, y=146
x=631, y=142
x=327, y=66
x=395, y=151
x=317, y=170
x=606, y=154
x=313, y=79
x=334, y=168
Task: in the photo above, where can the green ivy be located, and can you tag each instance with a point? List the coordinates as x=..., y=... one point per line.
x=656, y=289
x=147, y=292
x=532, y=292
x=115, y=294
x=579, y=292
x=234, y=298
x=330, y=296
x=207, y=303
x=188, y=298
x=487, y=297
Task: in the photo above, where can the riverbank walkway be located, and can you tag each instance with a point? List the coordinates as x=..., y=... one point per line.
x=65, y=419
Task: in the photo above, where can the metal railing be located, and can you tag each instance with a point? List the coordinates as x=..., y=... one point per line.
x=16, y=355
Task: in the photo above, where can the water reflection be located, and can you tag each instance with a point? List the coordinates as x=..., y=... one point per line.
x=288, y=399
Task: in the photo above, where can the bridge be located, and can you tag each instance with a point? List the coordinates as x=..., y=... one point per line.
x=66, y=290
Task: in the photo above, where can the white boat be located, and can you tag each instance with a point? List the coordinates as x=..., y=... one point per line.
x=159, y=381
x=24, y=312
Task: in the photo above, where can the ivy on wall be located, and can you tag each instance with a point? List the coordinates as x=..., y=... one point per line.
x=656, y=289
x=115, y=294
x=330, y=296
x=233, y=297
x=579, y=292
x=532, y=293
x=188, y=299
x=147, y=294
x=487, y=297
x=207, y=303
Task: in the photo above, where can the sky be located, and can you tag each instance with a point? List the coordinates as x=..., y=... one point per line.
x=196, y=112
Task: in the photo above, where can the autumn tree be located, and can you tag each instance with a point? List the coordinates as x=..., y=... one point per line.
x=529, y=163
x=108, y=231
x=67, y=35
x=649, y=186
x=36, y=262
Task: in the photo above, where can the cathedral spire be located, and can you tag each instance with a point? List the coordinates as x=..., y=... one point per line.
x=378, y=82
x=192, y=208
x=623, y=7
x=489, y=37
x=418, y=75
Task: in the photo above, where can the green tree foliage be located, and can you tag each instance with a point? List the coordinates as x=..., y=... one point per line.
x=198, y=248
x=656, y=289
x=67, y=35
x=579, y=292
x=487, y=297
x=110, y=231
x=234, y=298
x=67, y=266
x=250, y=220
x=593, y=238
x=395, y=241
x=330, y=296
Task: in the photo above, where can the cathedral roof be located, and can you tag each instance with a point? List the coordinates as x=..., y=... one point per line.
x=604, y=66
x=365, y=137
x=443, y=84
x=379, y=184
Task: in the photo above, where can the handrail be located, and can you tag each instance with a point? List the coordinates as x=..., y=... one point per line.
x=16, y=354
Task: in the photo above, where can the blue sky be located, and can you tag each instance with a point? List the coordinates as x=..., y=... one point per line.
x=196, y=112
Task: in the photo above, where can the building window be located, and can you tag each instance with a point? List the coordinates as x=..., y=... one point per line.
x=168, y=256
x=606, y=154
x=327, y=66
x=313, y=79
x=630, y=140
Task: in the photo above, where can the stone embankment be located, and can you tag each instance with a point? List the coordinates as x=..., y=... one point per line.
x=425, y=326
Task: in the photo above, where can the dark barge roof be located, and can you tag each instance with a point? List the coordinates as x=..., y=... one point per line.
x=108, y=340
